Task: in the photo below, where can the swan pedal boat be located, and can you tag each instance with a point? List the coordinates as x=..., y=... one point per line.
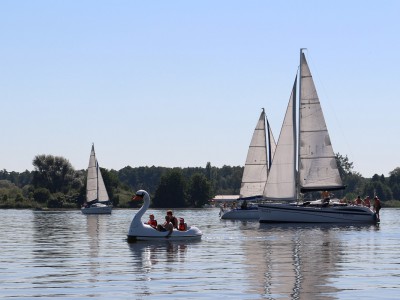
x=139, y=231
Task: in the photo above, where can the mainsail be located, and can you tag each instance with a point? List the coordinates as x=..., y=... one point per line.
x=95, y=188
x=256, y=167
x=317, y=163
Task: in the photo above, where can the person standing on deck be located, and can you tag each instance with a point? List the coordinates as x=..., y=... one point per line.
x=377, y=206
x=358, y=201
x=367, y=203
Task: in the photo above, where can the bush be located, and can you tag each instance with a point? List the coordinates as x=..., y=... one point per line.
x=41, y=195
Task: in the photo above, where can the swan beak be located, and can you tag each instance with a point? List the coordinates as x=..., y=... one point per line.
x=137, y=197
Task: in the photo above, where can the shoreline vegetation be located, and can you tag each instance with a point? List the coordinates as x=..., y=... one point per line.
x=54, y=184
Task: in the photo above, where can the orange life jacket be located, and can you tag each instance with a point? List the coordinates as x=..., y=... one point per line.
x=182, y=227
x=152, y=223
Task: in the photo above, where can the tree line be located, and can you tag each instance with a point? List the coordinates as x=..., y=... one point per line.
x=54, y=183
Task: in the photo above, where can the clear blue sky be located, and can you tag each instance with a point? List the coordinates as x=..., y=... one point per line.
x=182, y=83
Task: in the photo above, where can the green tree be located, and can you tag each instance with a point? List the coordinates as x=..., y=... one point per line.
x=344, y=165
x=41, y=195
x=199, y=191
x=171, y=190
x=396, y=191
x=54, y=173
x=379, y=189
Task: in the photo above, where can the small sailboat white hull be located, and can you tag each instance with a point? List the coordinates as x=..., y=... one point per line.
x=289, y=213
x=97, y=209
x=97, y=200
x=250, y=213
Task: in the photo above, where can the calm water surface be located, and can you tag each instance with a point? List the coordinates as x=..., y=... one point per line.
x=69, y=255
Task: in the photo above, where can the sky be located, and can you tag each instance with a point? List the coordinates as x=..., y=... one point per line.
x=182, y=83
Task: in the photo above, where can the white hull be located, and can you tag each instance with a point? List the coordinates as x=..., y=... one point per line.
x=239, y=214
x=287, y=213
x=97, y=209
x=147, y=233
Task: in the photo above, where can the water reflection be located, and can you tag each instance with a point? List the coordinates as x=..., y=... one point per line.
x=294, y=261
x=53, y=233
x=69, y=255
x=147, y=254
x=96, y=228
x=155, y=257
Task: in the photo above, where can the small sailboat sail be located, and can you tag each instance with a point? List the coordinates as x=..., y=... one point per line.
x=259, y=156
x=316, y=165
x=97, y=200
x=95, y=187
x=256, y=167
x=281, y=183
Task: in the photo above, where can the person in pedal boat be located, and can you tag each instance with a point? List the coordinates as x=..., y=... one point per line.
x=152, y=222
x=167, y=226
x=172, y=218
x=182, y=225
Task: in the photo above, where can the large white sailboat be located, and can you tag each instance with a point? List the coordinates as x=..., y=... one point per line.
x=255, y=173
x=316, y=166
x=97, y=200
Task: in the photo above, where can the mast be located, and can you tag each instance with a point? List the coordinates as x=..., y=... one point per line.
x=267, y=145
x=97, y=179
x=97, y=173
x=271, y=145
x=298, y=136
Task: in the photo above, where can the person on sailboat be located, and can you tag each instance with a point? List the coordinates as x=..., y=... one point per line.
x=367, y=203
x=377, y=206
x=358, y=201
x=325, y=198
x=152, y=222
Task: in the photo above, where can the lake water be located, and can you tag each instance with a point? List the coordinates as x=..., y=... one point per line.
x=68, y=255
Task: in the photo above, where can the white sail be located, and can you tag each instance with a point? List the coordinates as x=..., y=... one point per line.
x=102, y=192
x=256, y=166
x=271, y=145
x=95, y=188
x=281, y=182
x=317, y=163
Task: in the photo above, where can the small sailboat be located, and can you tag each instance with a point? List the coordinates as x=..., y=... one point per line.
x=138, y=231
x=255, y=173
x=97, y=200
x=317, y=168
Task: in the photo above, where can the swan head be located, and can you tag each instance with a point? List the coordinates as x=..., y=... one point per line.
x=140, y=195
